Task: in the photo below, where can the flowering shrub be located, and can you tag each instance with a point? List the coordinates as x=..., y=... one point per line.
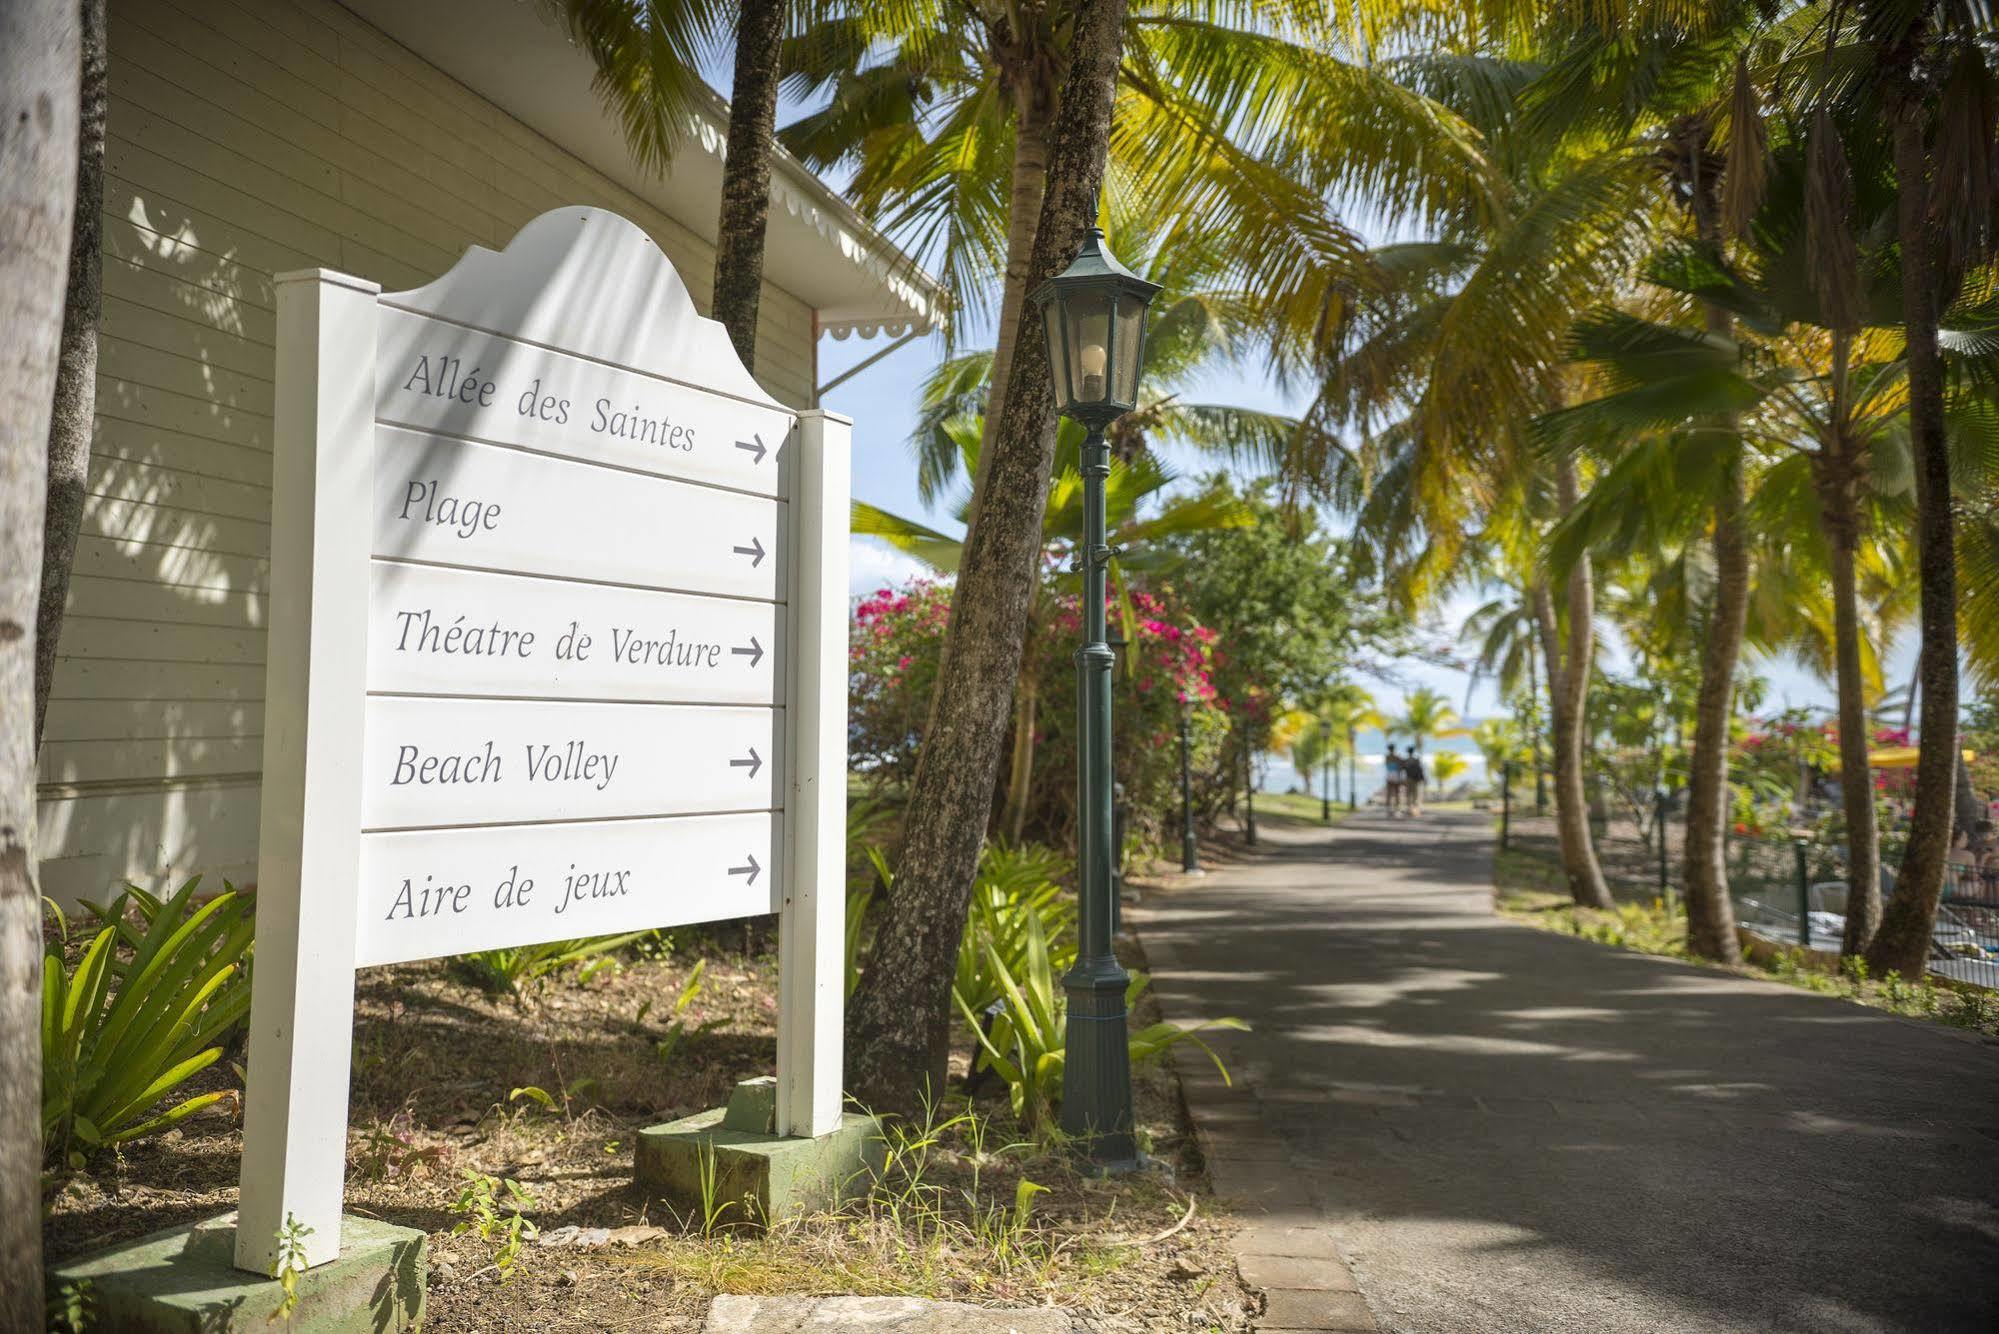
x=894, y=645
x=898, y=637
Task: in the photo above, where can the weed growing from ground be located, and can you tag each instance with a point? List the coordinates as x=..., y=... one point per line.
x=290, y=1266
x=479, y=1206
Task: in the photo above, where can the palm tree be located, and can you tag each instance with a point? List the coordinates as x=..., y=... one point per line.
x=1810, y=373
x=649, y=55
x=1446, y=765
x=1206, y=121
x=1427, y=716
x=1349, y=707
x=944, y=114
x=74, y=414
x=899, y=1021
x=1934, y=78
x=1509, y=648
x=40, y=66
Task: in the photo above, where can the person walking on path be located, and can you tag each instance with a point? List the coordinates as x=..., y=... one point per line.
x=1415, y=777
x=1391, y=781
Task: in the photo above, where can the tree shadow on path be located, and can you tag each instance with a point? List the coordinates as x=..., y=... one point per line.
x=1514, y=1129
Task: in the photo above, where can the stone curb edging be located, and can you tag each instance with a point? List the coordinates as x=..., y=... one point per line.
x=1287, y=1253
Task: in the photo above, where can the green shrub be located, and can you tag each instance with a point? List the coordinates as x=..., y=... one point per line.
x=1026, y=1042
x=1020, y=937
x=1015, y=886
x=146, y=1007
x=504, y=972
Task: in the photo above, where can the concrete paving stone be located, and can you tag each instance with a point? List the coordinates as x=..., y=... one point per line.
x=878, y=1315
x=1305, y=1241
x=1242, y=1142
x=1295, y=1271
x=1301, y=1308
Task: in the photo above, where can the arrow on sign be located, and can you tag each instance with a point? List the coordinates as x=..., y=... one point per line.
x=756, y=448
x=750, y=870
x=753, y=763
x=755, y=551
x=755, y=652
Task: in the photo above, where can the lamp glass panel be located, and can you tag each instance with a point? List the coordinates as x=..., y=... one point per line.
x=1089, y=317
x=1058, y=360
x=1130, y=334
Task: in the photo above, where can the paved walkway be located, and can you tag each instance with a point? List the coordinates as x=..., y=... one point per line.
x=1501, y=1128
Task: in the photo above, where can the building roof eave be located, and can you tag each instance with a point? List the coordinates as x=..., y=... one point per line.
x=818, y=247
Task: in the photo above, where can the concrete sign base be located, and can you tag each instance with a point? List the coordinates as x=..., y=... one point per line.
x=185, y=1281
x=753, y=1174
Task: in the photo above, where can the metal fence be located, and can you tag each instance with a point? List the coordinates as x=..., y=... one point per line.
x=1786, y=889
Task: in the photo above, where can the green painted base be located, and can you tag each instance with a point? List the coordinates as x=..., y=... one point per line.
x=755, y=1175
x=185, y=1281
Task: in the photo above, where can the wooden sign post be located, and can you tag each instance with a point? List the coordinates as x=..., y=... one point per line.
x=557, y=649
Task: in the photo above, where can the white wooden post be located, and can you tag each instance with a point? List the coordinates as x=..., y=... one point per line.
x=812, y=993
x=308, y=863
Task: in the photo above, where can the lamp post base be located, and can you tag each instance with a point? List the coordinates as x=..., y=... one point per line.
x=1096, y=1091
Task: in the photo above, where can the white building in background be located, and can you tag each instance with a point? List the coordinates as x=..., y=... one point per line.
x=381, y=138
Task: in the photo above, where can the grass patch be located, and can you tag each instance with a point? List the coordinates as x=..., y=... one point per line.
x=1294, y=808
x=1528, y=888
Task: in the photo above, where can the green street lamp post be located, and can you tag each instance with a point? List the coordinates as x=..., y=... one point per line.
x=1190, y=859
x=1353, y=769
x=1093, y=313
x=1325, y=772
x=1248, y=794
x=1661, y=803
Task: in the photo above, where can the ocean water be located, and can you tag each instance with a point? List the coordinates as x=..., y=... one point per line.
x=1276, y=773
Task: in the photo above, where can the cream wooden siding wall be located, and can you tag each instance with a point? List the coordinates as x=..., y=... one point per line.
x=248, y=138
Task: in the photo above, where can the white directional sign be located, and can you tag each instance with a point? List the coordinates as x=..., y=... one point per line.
x=447, y=501
x=557, y=649
x=436, y=632
x=447, y=893
x=431, y=762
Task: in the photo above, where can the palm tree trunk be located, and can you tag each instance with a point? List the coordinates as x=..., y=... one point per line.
x=1033, y=125
x=1020, y=778
x=739, y=234
x=1902, y=944
x=1710, y=914
x=1534, y=719
x=76, y=376
x=900, y=1022
x=1568, y=693
x=40, y=64
x=1839, y=514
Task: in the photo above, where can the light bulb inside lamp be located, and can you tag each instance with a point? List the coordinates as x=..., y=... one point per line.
x=1093, y=360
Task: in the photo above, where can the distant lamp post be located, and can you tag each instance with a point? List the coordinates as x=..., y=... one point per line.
x=1325, y=772
x=1190, y=859
x=1353, y=768
x=1094, y=316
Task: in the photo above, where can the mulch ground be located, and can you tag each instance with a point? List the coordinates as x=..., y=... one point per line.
x=436, y=1062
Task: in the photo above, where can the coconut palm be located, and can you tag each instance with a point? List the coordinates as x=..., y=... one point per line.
x=1446, y=765
x=1349, y=707
x=649, y=55
x=943, y=114
x=1501, y=741
x=1508, y=639
x=1934, y=85
x=1426, y=716
x=939, y=111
